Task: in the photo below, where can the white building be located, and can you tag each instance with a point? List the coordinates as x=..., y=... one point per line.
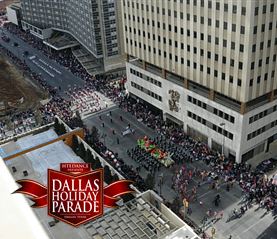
x=209, y=66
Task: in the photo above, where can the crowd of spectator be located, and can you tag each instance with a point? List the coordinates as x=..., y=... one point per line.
x=256, y=186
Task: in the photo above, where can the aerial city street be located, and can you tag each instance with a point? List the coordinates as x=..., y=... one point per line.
x=178, y=96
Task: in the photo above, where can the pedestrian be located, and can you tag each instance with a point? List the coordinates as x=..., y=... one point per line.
x=60, y=88
x=200, y=204
x=121, y=118
x=189, y=211
x=113, y=131
x=117, y=140
x=215, y=215
x=111, y=120
x=129, y=126
x=221, y=214
x=103, y=125
x=213, y=185
x=198, y=183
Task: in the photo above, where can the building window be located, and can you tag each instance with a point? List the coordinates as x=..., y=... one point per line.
x=254, y=48
x=239, y=82
x=225, y=25
x=242, y=30
x=202, y=20
x=231, y=79
x=234, y=27
x=258, y=79
x=240, y=65
x=241, y=48
x=264, y=9
x=243, y=11
x=255, y=30
x=263, y=28
x=217, y=23
x=251, y=82
x=256, y=11
x=217, y=6
x=223, y=76
x=225, y=7
x=215, y=73
x=234, y=9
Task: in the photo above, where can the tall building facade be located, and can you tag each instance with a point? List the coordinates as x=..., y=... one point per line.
x=93, y=23
x=208, y=66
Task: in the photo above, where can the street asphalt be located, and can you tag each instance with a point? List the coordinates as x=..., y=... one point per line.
x=253, y=224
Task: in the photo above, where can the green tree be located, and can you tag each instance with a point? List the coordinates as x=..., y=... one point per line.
x=91, y=159
x=78, y=120
x=57, y=126
x=94, y=134
x=88, y=155
x=107, y=175
x=176, y=204
x=150, y=181
x=82, y=151
x=115, y=177
x=97, y=163
x=75, y=144
x=62, y=129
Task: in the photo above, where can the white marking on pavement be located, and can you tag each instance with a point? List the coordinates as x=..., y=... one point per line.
x=255, y=224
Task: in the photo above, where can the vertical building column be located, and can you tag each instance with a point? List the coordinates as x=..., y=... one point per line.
x=143, y=65
x=212, y=95
x=186, y=82
x=127, y=57
x=271, y=96
x=164, y=73
x=242, y=108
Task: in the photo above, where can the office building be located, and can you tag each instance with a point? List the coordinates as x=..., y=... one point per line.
x=208, y=66
x=94, y=25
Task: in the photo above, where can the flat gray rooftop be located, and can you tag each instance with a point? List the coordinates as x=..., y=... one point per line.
x=49, y=156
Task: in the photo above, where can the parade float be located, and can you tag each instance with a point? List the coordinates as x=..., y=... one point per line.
x=157, y=153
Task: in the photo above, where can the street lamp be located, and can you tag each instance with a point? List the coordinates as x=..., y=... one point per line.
x=222, y=151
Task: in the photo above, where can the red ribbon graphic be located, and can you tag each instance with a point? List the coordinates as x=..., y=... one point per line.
x=34, y=189
x=39, y=192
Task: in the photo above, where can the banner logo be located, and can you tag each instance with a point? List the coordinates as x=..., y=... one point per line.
x=75, y=195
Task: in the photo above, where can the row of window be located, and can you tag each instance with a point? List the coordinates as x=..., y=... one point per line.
x=255, y=29
x=202, y=21
x=147, y=78
x=211, y=4
x=202, y=37
x=259, y=78
x=262, y=114
x=212, y=109
x=261, y=130
x=210, y=125
x=148, y=92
